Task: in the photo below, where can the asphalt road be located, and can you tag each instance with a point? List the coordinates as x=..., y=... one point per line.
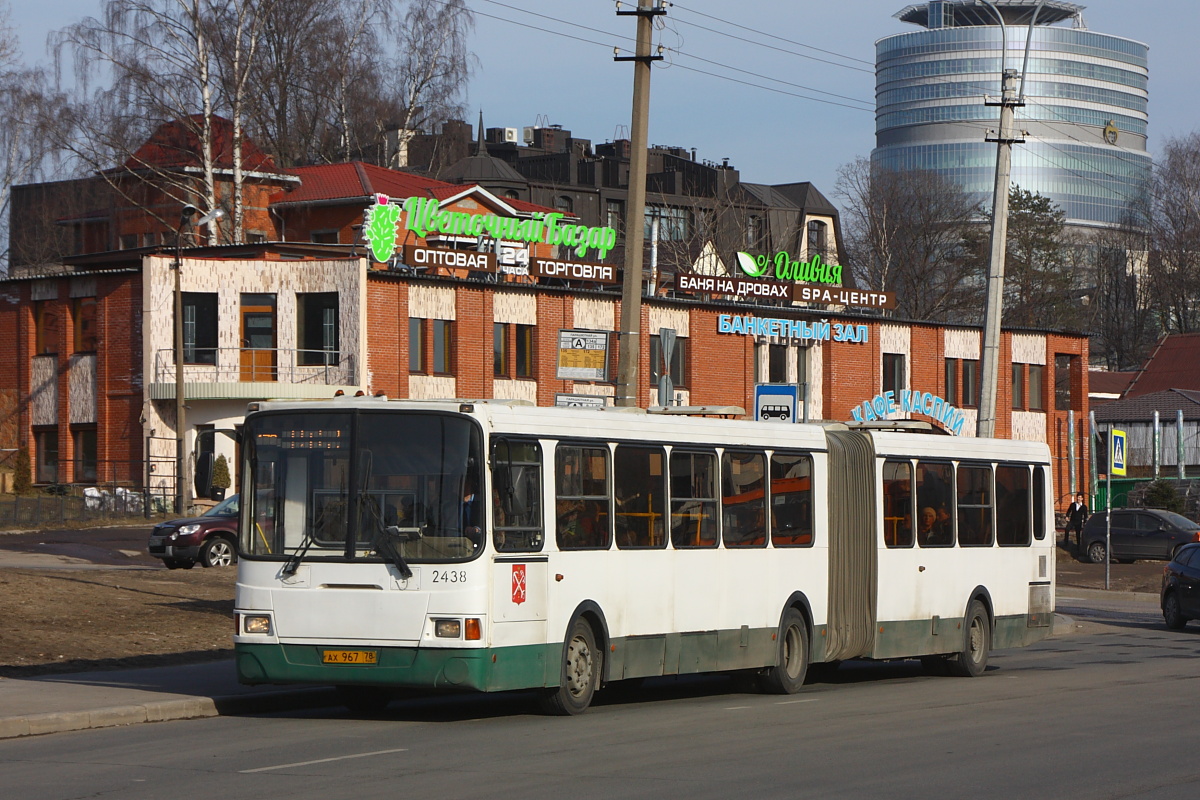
x=116, y=546
x=1105, y=714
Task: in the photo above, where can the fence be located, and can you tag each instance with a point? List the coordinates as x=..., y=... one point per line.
x=60, y=505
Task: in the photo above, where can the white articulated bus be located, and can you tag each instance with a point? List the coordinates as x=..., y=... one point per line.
x=485, y=545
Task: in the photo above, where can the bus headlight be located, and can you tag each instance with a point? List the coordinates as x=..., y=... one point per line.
x=447, y=628
x=257, y=623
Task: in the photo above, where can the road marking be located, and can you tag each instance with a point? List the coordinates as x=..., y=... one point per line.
x=324, y=760
x=737, y=708
x=793, y=702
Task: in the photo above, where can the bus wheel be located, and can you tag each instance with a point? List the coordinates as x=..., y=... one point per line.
x=787, y=676
x=977, y=641
x=364, y=700
x=580, y=677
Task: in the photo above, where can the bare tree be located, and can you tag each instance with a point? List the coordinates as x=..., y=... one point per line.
x=1175, y=225
x=158, y=55
x=905, y=233
x=1038, y=281
x=1119, y=315
x=26, y=106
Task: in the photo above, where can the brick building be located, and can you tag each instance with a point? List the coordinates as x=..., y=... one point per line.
x=468, y=299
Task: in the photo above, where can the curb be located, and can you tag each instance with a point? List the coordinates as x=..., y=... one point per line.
x=1066, y=592
x=164, y=711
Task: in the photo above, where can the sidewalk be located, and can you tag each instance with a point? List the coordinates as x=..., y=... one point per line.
x=79, y=701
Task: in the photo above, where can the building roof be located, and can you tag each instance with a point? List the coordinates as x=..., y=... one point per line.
x=1174, y=364
x=176, y=145
x=354, y=180
x=1103, y=383
x=1142, y=407
x=1015, y=12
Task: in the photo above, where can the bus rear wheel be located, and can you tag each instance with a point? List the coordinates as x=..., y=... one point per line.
x=977, y=642
x=787, y=676
x=580, y=676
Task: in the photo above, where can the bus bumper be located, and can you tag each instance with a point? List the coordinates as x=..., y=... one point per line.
x=483, y=669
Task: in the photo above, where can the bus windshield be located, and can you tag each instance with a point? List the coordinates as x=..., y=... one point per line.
x=401, y=487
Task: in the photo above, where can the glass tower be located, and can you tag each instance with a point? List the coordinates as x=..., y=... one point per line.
x=1085, y=113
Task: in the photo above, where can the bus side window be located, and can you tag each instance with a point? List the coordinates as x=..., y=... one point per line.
x=1012, y=506
x=897, y=504
x=693, y=499
x=974, y=506
x=517, y=495
x=639, y=490
x=1039, y=503
x=744, y=499
x=582, y=498
x=791, y=516
x=935, y=500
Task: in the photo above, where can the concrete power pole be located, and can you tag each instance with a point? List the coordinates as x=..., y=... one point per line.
x=630, y=345
x=1005, y=138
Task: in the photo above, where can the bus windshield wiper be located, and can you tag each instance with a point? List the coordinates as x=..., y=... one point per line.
x=294, y=562
x=383, y=542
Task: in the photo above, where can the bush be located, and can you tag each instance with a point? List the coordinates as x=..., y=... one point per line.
x=22, y=472
x=220, y=475
x=1162, y=494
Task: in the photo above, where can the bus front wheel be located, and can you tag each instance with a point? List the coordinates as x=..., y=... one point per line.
x=977, y=641
x=579, y=679
x=787, y=676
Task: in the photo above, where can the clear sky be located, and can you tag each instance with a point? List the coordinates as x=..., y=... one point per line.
x=550, y=62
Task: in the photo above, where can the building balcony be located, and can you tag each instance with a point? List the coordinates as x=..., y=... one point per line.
x=233, y=373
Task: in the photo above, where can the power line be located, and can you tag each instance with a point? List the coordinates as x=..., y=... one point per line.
x=777, y=38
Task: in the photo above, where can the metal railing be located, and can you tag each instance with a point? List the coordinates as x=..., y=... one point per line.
x=257, y=364
x=61, y=504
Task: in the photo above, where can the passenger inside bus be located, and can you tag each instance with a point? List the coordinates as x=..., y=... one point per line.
x=934, y=531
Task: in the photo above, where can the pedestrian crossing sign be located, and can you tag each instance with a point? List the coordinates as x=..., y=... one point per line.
x=1117, y=451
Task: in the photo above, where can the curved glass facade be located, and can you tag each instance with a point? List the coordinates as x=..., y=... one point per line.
x=930, y=113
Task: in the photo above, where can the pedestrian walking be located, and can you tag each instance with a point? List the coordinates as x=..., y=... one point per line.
x=1077, y=515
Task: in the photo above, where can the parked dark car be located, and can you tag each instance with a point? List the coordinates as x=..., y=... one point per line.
x=210, y=538
x=1181, y=587
x=1138, y=533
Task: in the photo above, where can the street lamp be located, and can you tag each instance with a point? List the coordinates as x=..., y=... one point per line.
x=185, y=219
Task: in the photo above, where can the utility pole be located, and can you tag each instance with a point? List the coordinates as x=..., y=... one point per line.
x=1004, y=138
x=629, y=354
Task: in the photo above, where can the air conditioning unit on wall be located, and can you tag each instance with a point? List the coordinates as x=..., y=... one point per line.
x=527, y=134
x=510, y=135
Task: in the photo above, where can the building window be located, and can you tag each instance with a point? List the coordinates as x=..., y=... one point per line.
x=200, y=327
x=46, y=324
x=893, y=373
x=817, y=238
x=615, y=216
x=1018, y=387
x=802, y=364
x=499, y=350
x=85, y=454
x=256, y=237
x=317, y=328
x=1036, y=372
x=754, y=230
x=129, y=241
x=970, y=383
x=524, y=351
x=512, y=194
x=776, y=363
x=952, y=381
x=324, y=237
x=46, y=466
x=678, y=364
x=1062, y=382
x=443, y=345
x=149, y=239
x=564, y=204
x=83, y=318
x=672, y=223
x=416, y=344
